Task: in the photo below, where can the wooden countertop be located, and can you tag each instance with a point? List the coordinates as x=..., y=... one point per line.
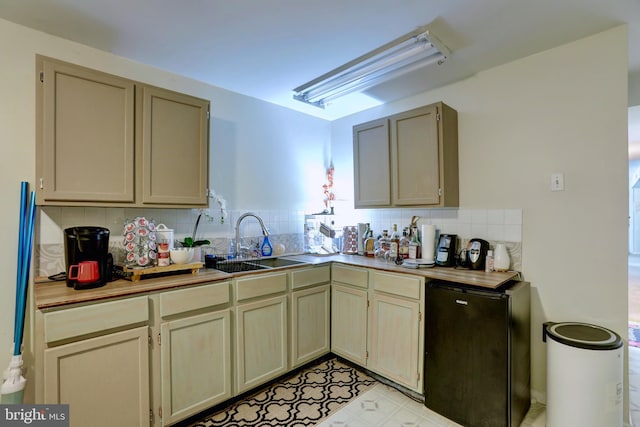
x=50, y=294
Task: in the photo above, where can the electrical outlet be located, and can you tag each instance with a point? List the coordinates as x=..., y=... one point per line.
x=557, y=181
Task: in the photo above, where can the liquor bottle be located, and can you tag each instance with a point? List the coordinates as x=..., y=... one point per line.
x=414, y=244
x=395, y=241
x=403, y=251
x=370, y=245
x=384, y=244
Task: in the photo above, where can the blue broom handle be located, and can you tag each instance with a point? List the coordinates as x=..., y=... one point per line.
x=24, y=187
x=26, y=258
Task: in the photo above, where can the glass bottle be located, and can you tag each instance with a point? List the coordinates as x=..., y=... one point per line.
x=395, y=241
x=403, y=250
x=414, y=244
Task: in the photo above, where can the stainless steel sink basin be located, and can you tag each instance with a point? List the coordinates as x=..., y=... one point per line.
x=276, y=262
x=237, y=266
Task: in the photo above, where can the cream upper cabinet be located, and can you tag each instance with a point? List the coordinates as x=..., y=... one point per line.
x=174, y=145
x=371, y=164
x=85, y=135
x=103, y=140
x=408, y=159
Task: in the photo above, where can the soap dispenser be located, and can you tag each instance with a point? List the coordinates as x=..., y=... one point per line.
x=266, y=248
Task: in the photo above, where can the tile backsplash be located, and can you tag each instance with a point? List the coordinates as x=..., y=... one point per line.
x=285, y=226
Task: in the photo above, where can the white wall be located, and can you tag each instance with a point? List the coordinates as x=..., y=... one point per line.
x=563, y=110
x=258, y=158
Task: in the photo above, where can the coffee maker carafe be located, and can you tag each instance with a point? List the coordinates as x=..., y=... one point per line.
x=84, y=246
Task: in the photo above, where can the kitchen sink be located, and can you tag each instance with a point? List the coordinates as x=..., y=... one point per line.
x=238, y=266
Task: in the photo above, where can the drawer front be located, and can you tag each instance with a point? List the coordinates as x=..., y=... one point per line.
x=180, y=301
x=310, y=276
x=397, y=284
x=260, y=285
x=90, y=319
x=350, y=275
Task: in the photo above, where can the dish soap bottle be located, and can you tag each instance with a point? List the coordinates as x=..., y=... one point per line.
x=266, y=248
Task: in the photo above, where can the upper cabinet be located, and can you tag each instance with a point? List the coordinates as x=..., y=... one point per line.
x=103, y=140
x=174, y=146
x=408, y=159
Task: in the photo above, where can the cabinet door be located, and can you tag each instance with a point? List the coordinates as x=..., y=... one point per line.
x=261, y=341
x=85, y=147
x=196, y=364
x=104, y=380
x=415, y=157
x=175, y=154
x=394, y=342
x=371, y=164
x=349, y=323
x=309, y=324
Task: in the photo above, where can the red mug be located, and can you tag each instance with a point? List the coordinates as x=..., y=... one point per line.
x=85, y=272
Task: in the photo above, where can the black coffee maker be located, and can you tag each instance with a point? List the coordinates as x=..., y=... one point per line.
x=88, y=244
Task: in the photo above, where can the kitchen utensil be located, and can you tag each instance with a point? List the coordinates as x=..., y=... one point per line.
x=446, y=253
x=85, y=272
x=476, y=254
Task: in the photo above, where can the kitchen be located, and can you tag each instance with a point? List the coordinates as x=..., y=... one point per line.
x=542, y=130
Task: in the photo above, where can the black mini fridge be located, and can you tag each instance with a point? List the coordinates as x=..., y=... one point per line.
x=477, y=353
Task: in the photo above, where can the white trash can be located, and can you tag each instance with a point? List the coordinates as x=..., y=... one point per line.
x=584, y=375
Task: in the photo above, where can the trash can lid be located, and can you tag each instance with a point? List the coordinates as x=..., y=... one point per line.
x=583, y=335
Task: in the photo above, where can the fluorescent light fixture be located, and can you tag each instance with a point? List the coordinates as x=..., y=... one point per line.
x=400, y=56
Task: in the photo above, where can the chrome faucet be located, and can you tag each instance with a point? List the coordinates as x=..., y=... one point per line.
x=265, y=232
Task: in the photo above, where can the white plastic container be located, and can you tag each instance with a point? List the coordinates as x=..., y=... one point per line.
x=584, y=375
x=163, y=233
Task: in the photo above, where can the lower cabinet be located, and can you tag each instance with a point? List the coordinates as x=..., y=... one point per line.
x=376, y=322
x=191, y=363
x=195, y=364
x=105, y=380
x=261, y=341
x=396, y=328
x=393, y=348
x=349, y=323
x=310, y=335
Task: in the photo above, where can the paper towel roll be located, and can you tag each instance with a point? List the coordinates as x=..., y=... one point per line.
x=428, y=239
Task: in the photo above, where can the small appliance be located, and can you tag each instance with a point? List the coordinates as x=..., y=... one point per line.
x=476, y=254
x=446, y=252
x=83, y=244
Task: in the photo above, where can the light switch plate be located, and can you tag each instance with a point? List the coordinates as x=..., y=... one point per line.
x=557, y=181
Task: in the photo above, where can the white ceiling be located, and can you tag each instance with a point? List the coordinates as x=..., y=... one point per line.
x=265, y=48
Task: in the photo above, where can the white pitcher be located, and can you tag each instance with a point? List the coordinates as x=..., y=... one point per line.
x=501, y=260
